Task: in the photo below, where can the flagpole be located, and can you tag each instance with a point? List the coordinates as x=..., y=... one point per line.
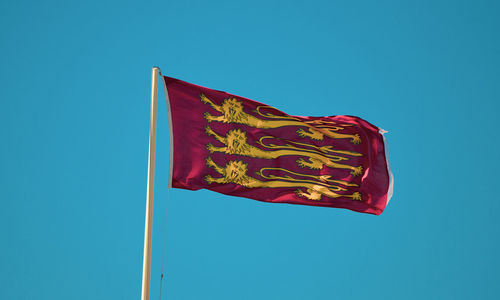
x=148, y=228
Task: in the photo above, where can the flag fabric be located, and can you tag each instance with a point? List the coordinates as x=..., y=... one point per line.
x=239, y=147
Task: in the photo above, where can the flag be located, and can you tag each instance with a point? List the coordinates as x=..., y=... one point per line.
x=239, y=147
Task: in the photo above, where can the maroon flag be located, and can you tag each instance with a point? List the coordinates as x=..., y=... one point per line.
x=239, y=147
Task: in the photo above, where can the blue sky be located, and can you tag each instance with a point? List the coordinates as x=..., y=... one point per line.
x=74, y=124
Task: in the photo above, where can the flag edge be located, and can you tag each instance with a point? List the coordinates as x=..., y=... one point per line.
x=390, y=189
x=170, y=133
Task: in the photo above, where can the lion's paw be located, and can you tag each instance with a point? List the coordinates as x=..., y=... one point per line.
x=357, y=171
x=301, y=132
x=301, y=162
x=208, y=116
x=203, y=98
x=209, y=179
x=356, y=139
x=210, y=148
x=209, y=162
x=356, y=196
x=316, y=136
x=209, y=130
x=300, y=193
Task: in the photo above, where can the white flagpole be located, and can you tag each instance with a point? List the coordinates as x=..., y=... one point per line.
x=148, y=229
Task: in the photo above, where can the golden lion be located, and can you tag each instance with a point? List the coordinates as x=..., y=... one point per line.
x=235, y=142
x=236, y=172
x=232, y=112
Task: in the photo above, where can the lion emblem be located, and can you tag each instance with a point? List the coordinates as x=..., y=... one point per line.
x=235, y=143
x=236, y=172
x=232, y=112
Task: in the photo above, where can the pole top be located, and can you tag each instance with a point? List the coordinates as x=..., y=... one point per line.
x=156, y=68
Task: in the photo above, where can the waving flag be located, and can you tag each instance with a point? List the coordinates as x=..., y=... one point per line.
x=239, y=147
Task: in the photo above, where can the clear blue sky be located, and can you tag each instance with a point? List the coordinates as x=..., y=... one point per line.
x=74, y=121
